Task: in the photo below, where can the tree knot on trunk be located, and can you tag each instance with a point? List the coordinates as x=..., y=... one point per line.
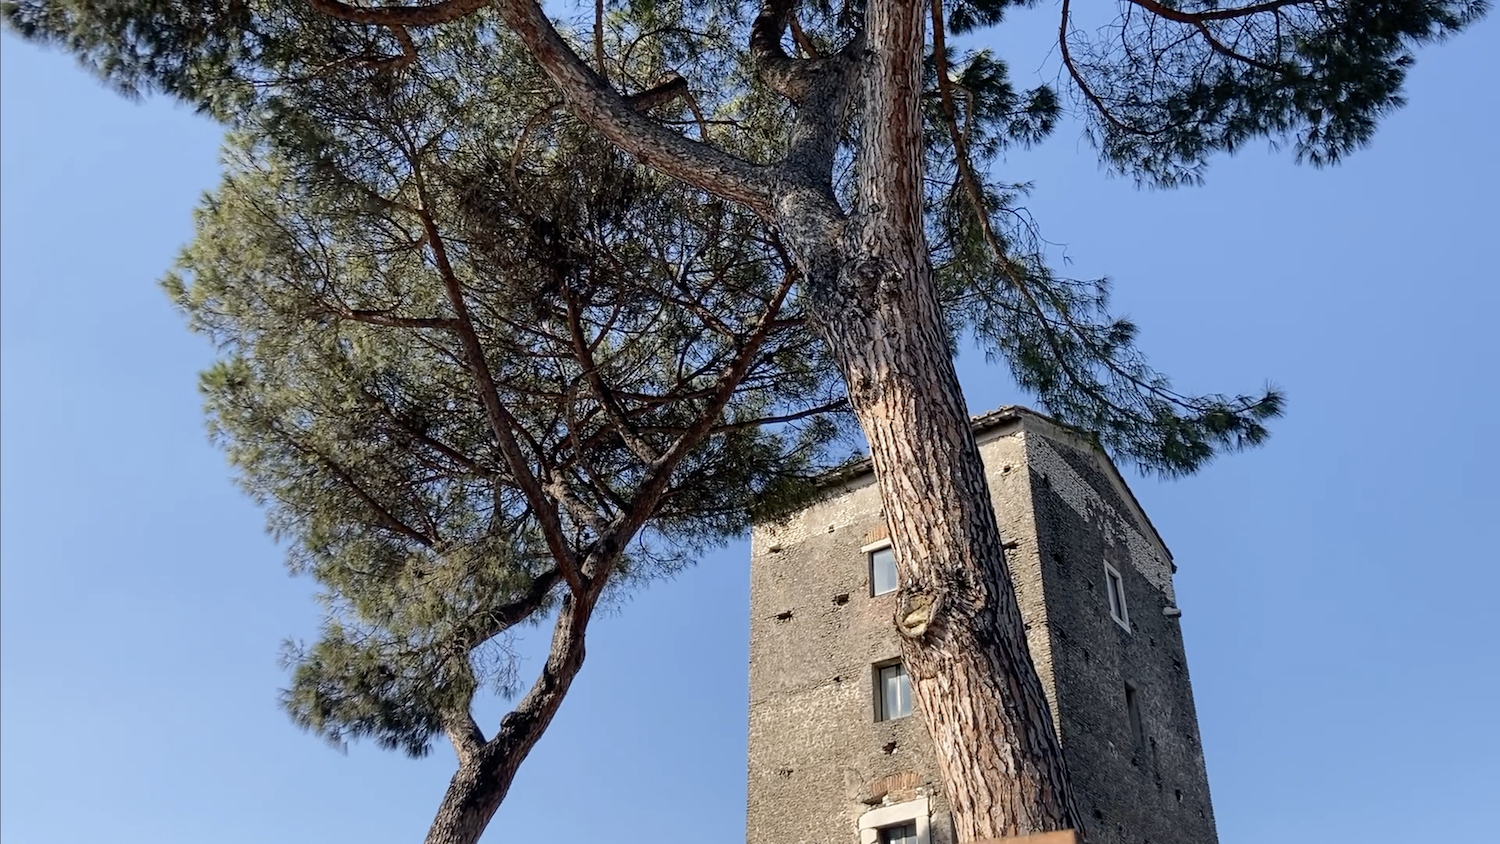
x=868, y=276
x=917, y=609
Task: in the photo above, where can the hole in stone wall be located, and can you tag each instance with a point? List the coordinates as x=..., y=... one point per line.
x=889, y=748
x=841, y=600
x=784, y=773
x=1179, y=795
x=784, y=616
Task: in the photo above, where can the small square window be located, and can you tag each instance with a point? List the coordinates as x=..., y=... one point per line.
x=1114, y=586
x=901, y=834
x=882, y=570
x=892, y=692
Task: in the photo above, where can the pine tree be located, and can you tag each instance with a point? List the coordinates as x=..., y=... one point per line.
x=863, y=142
x=478, y=392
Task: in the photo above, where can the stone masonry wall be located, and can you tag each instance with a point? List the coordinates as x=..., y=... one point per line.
x=1154, y=792
x=818, y=759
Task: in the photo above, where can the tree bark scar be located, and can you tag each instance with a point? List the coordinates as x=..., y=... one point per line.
x=918, y=609
x=866, y=276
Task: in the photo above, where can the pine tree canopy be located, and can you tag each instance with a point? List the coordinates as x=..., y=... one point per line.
x=513, y=310
x=1163, y=86
x=637, y=344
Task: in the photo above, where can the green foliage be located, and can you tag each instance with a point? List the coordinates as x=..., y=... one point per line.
x=384, y=184
x=1319, y=74
x=344, y=400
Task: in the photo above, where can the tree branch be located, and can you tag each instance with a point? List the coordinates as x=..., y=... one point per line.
x=607, y=400
x=601, y=106
x=1073, y=71
x=430, y=14
x=385, y=320
x=660, y=477
x=1162, y=10
x=829, y=407
x=785, y=75
x=384, y=516
x=502, y=423
x=483, y=780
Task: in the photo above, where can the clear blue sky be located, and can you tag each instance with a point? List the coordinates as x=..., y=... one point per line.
x=1340, y=586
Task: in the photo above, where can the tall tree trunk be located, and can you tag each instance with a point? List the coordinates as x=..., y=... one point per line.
x=872, y=299
x=486, y=771
x=962, y=638
x=963, y=641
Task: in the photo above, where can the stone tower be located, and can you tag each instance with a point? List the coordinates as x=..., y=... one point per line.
x=834, y=757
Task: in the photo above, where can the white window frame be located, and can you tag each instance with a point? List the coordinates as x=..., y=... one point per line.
x=878, y=670
x=1114, y=594
x=897, y=814
x=869, y=552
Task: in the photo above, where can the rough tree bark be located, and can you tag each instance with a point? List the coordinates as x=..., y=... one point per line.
x=873, y=299
x=876, y=305
x=868, y=276
x=963, y=641
x=486, y=770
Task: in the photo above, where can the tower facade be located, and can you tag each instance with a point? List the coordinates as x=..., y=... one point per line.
x=835, y=754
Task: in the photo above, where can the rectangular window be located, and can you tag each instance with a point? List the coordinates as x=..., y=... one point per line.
x=892, y=692
x=1133, y=712
x=897, y=823
x=882, y=569
x=1114, y=584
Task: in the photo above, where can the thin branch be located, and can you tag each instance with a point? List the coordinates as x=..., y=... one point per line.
x=607, y=400
x=502, y=423
x=971, y=185
x=1162, y=10
x=800, y=38
x=1073, y=71
x=660, y=477
x=1224, y=50
x=423, y=15
x=602, y=107
x=385, y=319
x=829, y=407
x=385, y=517
x=599, y=63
